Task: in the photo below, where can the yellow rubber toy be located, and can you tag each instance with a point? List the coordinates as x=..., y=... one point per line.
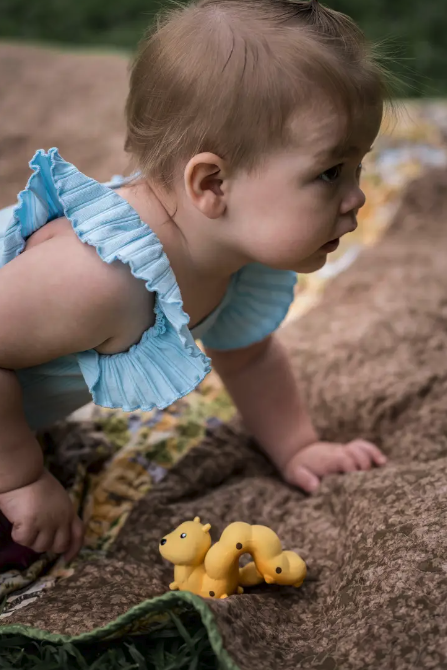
x=213, y=571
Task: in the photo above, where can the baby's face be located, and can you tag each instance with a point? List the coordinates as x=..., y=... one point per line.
x=291, y=213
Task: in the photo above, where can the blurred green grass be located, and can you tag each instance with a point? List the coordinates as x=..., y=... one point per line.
x=172, y=646
x=413, y=32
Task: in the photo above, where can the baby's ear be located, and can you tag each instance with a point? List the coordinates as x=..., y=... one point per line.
x=197, y=519
x=206, y=527
x=204, y=178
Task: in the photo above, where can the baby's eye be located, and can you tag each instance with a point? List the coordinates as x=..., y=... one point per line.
x=359, y=171
x=331, y=175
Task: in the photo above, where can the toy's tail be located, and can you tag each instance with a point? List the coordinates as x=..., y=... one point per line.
x=271, y=563
x=287, y=568
x=249, y=575
x=225, y=553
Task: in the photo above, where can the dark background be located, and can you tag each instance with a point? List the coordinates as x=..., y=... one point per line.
x=412, y=32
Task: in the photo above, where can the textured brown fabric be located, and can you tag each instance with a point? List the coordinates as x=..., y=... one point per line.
x=372, y=358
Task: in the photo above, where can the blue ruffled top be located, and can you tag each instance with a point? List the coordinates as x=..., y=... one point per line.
x=167, y=363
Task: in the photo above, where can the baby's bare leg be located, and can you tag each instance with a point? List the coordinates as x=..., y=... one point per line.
x=20, y=453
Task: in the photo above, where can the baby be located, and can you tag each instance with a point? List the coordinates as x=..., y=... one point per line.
x=247, y=123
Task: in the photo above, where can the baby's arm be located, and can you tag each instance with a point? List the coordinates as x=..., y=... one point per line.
x=56, y=298
x=264, y=390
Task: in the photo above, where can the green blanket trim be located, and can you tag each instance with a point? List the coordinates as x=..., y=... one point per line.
x=155, y=606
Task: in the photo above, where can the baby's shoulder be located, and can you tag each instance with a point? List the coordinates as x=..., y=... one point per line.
x=62, y=244
x=128, y=295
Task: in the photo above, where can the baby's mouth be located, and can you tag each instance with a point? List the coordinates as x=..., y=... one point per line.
x=331, y=246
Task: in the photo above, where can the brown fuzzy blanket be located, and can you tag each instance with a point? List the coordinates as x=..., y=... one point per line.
x=372, y=358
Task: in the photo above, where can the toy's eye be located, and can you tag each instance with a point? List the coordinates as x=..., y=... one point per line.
x=183, y=535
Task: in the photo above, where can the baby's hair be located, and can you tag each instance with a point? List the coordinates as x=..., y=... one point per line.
x=229, y=77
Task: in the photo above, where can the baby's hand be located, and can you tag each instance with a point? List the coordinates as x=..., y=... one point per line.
x=43, y=517
x=307, y=467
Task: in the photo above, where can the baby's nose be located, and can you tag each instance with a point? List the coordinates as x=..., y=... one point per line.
x=353, y=201
x=163, y=541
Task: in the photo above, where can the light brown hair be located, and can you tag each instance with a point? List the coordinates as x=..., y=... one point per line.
x=228, y=76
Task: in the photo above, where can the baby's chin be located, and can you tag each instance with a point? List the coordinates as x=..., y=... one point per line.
x=311, y=264
x=303, y=266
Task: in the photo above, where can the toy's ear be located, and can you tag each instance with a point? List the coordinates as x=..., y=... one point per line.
x=197, y=519
x=206, y=527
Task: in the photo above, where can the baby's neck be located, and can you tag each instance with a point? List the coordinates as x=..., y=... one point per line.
x=199, y=265
x=185, y=238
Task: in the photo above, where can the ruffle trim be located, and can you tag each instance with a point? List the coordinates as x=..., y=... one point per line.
x=166, y=364
x=259, y=301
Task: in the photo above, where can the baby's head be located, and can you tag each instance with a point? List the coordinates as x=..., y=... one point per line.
x=257, y=114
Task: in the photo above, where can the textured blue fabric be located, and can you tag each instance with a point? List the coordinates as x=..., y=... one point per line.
x=166, y=364
x=256, y=303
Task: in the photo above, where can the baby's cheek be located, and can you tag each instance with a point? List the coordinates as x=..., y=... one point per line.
x=279, y=249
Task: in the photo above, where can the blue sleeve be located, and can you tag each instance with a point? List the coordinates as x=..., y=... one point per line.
x=166, y=363
x=259, y=301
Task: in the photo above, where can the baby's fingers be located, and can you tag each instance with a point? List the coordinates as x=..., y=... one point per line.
x=62, y=539
x=360, y=456
x=76, y=539
x=25, y=533
x=373, y=453
x=303, y=478
x=345, y=461
x=44, y=541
